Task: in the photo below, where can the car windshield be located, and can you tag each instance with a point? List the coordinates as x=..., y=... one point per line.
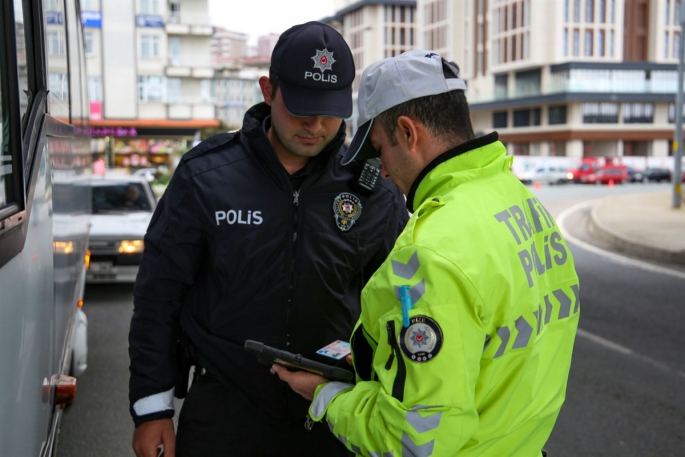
x=120, y=197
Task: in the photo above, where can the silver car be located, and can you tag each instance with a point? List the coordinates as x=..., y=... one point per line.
x=122, y=206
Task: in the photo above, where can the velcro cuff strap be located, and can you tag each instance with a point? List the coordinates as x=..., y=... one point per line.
x=323, y=396
x=155, y=403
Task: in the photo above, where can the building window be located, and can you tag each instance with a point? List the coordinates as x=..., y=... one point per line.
x=666, y=44
x=56, y=43
x=59, y=85
x=638, y=113
x=611, y=43
x=588, y=43
x=151, y=88
x=590, y=11
x=576, y=42
x=501, y=82
x=612, y=11
x=668, y=12
x=566, y=10
x=149, y=46
x=602, y=12
x=600, y=113
x=521, y=118
x=95, y=88
x=601, y=43
x=565, y=42
x=676, y=44
x=557, y=115
x=173, y=87
x=576, y=11
x=149, y=6
x=88, y=39
x=528, y=83
x=499, y=119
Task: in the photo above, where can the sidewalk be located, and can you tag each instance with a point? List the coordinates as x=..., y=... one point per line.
x=643, y=224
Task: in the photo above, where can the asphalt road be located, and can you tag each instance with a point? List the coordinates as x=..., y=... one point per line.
x=626, y=393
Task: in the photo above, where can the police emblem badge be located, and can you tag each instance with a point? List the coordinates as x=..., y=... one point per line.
x=323, y=60
x=346, y=208
x=421, y=340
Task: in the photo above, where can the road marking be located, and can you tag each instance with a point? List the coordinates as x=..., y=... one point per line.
x=608, y=254
x=627, y=351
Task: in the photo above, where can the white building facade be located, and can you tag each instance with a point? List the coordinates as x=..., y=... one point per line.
x=149, y=75
x=567, y=78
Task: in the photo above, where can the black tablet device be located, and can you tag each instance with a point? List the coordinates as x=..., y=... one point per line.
x=268, y=356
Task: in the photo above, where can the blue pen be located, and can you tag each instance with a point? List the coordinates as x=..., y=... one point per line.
x=405, y=299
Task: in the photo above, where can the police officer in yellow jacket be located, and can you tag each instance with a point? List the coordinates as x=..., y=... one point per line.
x=465, y=340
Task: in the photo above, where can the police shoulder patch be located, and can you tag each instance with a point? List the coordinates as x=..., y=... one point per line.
x=421, y=341
x=346, y=208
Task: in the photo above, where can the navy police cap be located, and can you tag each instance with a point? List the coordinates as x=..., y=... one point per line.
x=315, y=71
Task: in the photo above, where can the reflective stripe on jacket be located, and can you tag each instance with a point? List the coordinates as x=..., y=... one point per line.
x=482, y=367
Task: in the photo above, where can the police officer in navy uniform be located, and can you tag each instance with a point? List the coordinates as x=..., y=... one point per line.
x=262, y=234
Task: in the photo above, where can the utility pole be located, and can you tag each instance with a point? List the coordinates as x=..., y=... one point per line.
x=678, y=137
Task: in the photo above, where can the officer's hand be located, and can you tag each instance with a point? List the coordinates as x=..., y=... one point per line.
x=301, y=382
x=149, y=435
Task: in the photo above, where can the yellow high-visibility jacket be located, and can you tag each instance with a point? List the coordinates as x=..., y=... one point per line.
x=479, y=366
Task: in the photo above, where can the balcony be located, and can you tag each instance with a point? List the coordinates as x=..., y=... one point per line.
x=188, y=24
x=585, y=84
x=190, y=66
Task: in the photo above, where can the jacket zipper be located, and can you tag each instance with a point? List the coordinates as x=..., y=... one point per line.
x=401, y=376
x=289, y=320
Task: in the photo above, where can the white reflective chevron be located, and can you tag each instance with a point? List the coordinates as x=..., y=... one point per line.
x=524, y=330
x=325, y=395
x=406, y=270
x=423, y=424
x=411, y=449
x=416, y=292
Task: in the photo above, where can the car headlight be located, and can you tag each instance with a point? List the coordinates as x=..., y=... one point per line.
x=131, y=247
x=63, y=247
x=569, y=175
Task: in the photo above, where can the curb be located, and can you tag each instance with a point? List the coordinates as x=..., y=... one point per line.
x=627, y=244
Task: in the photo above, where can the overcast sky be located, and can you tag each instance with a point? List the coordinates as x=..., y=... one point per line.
x=261, y=17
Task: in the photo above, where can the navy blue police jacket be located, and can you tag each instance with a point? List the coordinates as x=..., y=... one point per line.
x=233, y=253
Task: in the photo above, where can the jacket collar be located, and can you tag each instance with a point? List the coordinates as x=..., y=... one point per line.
x=253, y=131
x=483, y=151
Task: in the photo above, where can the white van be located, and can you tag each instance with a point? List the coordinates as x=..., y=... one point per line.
x=545, y=173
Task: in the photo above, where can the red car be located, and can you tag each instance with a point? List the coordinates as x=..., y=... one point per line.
x=612, y=174
x=586, y=168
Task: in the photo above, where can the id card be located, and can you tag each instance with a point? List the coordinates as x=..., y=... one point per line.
x=336, y=350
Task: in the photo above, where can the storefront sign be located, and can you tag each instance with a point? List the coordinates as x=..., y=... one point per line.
x=54, y=17
x=149, y=20
x=111, y=131
x=91, y=19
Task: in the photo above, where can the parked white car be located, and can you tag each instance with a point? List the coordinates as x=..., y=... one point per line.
x=545, y=174
x=122, y=206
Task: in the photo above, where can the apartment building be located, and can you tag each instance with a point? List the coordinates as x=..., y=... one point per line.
x=235, y=91
x=566, y=78
x=374, y=29
x=149, y=76
x=228, y=47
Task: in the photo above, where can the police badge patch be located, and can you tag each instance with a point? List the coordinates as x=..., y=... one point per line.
x=422, y=340
x=346, y=208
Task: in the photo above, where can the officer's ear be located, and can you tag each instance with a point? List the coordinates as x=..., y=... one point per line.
x=407, y=131
x=267, y=89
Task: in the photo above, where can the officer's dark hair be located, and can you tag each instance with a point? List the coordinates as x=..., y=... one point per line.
x=273, y=79
x=445, y=115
